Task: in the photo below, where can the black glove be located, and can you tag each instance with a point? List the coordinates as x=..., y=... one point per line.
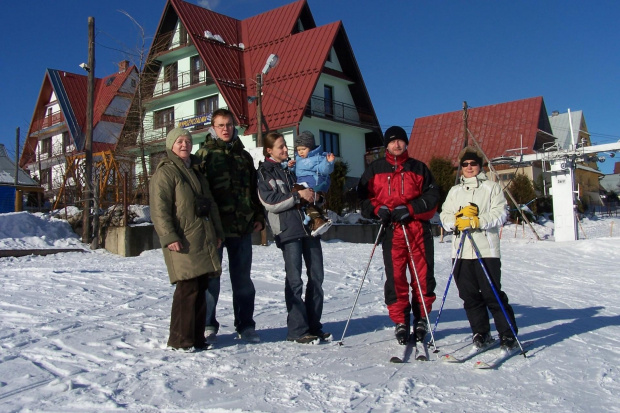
x=384, y=215
x=401, y=214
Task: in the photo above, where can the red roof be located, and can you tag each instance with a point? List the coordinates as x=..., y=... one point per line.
x=497, y=129
x=71, y=92
x=288, y=87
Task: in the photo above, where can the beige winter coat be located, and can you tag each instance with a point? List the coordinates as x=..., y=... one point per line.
x=492, y=214
x=173, y=212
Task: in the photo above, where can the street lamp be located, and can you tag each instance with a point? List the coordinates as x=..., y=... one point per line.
x=271, y=62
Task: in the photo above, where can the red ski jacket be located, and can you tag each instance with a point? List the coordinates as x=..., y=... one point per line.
x=394, y=181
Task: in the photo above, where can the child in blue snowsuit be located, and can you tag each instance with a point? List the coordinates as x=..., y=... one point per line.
x=313, y=167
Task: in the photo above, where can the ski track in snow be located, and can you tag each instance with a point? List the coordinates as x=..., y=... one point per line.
x=87, y=332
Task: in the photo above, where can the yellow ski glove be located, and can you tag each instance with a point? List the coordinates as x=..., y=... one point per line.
x=470, y=210
x=463, y=223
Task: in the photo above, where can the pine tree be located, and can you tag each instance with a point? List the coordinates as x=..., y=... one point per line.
x=444, y=175
x=523, y=192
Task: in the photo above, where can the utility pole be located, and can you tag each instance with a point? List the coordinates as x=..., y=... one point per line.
x=88, y=144
x=18, y=192
x=465, y=115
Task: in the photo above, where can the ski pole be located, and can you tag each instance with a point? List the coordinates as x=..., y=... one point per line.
x=445, y=293
x=477, y=251
x=361, y=284
x=417, y=278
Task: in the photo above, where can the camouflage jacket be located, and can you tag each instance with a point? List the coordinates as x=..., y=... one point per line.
x=230, y=171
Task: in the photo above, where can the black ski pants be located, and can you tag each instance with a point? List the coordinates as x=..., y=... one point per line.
x=478, y=297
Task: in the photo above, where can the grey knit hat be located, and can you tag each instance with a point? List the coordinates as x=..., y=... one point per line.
x=306, y=138
x=175, y=134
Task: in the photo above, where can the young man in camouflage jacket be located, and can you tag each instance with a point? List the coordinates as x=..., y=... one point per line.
x=230, y=171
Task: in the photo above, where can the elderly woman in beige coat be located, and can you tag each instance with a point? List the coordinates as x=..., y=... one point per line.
x=478, y=205
x=188, y=225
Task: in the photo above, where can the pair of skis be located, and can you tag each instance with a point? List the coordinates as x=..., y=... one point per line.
x=496, y=359
x=418, y=349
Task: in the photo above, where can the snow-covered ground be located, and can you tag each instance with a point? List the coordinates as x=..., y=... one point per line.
x=87, y=332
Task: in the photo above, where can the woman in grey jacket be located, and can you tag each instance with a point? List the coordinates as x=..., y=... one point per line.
x=188, y=225
x=478, y=205
x=275, y=191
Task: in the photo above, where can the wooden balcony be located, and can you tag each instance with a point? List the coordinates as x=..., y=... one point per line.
x=48, y=121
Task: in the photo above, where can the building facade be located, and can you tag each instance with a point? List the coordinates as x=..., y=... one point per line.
x=57, y=130
x=201, y=61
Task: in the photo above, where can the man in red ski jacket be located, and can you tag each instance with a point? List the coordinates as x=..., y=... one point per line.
x=402, y=193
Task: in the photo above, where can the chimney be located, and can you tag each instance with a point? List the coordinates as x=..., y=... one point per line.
x=122, y=66
x=555, y=113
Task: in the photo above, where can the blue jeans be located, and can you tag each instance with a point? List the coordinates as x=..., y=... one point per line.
x=243, y=292
x=304, y=315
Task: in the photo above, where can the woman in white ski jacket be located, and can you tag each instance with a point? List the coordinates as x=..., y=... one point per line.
x=478, y=205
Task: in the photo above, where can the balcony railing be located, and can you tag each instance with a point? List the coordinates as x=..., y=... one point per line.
x=339, y=111
x=48, y=121
x=183, y=80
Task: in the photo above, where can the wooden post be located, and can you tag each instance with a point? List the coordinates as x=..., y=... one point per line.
x=516, y=227
x=465, y=115
x=18, y=194
x=88, y=144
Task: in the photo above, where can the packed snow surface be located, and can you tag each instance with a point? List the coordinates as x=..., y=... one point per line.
x=88, y=331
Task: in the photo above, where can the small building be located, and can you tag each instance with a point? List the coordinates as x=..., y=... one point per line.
x=571, y=132
x=10, y=187
x=58, y=126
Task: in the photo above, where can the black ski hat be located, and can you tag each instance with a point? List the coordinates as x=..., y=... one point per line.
x=393, y=133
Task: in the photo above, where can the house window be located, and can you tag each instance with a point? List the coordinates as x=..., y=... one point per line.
x=48, y=118
x=328, y=96
x=46, y=146
x=197, y=67
x=330, y=142
x=171, y=74
x=164, y=119
x=66, y=142
x=206, y=105
x=46, y=179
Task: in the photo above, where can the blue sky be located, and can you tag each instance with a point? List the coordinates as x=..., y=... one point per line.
x=417, y=58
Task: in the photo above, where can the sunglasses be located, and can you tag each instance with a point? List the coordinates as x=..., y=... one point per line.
x=471, y=163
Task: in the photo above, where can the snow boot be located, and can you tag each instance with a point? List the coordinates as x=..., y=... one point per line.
x=307, y=339
x=482, y=340
x=325, y=337
x=401, y=332
x=319, y=226
x=421, y=328
x=507, y=343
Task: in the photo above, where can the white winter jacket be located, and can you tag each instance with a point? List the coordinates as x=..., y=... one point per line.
x=489, y=198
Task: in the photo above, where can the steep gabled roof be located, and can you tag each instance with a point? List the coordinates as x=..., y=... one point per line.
x=288, y=87
x=561, y=127
x=227, y=68
x=497, y=128
x=7, y=171
x=71, y=92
